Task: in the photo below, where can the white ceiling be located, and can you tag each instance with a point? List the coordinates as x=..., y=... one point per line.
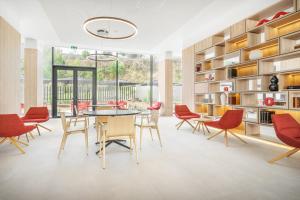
x=162, y=24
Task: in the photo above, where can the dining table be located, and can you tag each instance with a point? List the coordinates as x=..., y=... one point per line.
x=111, y=113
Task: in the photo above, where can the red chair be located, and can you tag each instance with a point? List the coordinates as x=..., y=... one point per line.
x=11, y=126
x=122, y=105
x=37, y=115
x=230, y=120
x=155, y=106
x=288, y=131
x=183, y=113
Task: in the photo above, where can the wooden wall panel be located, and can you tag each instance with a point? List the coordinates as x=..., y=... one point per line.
x=10, y=47
x=188, y=77
x=30, y=78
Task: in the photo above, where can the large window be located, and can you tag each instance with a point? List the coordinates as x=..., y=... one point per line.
x=128, y=79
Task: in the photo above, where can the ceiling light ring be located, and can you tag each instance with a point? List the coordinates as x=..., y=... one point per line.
x=104, y=18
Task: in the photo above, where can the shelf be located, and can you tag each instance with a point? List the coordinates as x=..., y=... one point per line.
x=252, y=55
x=235, y=44
x=286, y=5
x=257, y=83
x=282, y=26
x=260, y=51
x=243, y=70
x=290, y=43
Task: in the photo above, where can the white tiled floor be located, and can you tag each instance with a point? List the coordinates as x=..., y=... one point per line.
x=188, y=167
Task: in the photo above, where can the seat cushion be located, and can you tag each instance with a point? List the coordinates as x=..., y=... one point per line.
x=26, y=120
x=29, y=128
x=214, y=124
x=290, y=136
x=189, y=116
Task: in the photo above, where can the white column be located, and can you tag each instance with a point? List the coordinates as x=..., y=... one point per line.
x=165, y=84
x=33, y=75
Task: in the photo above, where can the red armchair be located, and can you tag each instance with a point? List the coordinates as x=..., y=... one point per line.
x=230, y=120
x=183, y=113
x=155, y=106
x=288, y=131
x=11, y=126
x=37, y=115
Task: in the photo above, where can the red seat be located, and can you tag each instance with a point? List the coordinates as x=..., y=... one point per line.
x=11, y=126
x=230, y=120
x=288, y=131
x=37, y=115
x=155, y=106
x=183, y=112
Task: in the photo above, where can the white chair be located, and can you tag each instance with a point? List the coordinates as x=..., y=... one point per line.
x=69, y=130
x=151, y=124
x=118, y=127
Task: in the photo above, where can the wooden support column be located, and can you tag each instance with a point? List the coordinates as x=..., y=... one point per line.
x=10, y=48
x=166, y=84
x=188, y=72
x=30, y=73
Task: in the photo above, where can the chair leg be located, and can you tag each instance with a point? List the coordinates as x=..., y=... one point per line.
x=135, y=151
x=141, y=137
x=31, y=135
x=158, y=134
x=293, y=152
x=3, y=140
x=180, y=124
x=86, y=142
x=62, y=144
x=284, y=155
x=75, y=121
x=226, y=138
x=197, y=125
x=238, y=137
x=103, y=153
x=27, y=137
x=206, y=128
x=13, y=141
x=44, y=127
x=214, y=135
x=150, y=130
x=37, y=127
x=21, y=142
x=190, y=124
x=202, y=128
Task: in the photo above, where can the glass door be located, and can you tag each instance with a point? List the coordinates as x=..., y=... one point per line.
x=73, y=86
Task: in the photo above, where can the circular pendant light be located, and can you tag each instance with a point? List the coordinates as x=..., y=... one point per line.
x=110, y=28
x=103, y=57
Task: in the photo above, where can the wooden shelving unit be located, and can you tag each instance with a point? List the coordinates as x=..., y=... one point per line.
x=242, y=58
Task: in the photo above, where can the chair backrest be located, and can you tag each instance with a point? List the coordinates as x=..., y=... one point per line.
x=10, y=125
x=154, y=116
x=64, y=121
x=231, y=119
x=156, y=105
x=120, y=126
x=284, y=121
x=103, y=119
x=37, y=113
x=182, y=110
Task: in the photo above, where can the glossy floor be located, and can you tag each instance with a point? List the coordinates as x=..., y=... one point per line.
x=188, y=167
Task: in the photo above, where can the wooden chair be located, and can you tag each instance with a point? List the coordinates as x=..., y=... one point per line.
x=69, y=130
x=101, y=119
x=79, y=117
x=151, y=124
x=119, y=127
